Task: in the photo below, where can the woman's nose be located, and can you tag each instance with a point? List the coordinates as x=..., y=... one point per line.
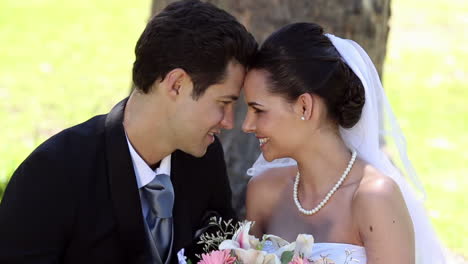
x=248, y=126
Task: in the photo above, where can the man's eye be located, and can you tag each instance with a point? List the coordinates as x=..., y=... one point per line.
x=257, y=111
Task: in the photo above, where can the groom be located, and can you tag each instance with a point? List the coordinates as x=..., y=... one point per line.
x=135, y=185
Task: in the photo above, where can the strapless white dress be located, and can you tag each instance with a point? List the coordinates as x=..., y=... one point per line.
x=338, y=253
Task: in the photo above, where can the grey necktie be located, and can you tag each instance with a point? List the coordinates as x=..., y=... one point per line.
x=159, y=194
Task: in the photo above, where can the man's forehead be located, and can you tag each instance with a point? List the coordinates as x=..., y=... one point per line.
x=222, y=92
x=227, y=89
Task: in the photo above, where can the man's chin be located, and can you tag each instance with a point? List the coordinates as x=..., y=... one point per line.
x=198, y=153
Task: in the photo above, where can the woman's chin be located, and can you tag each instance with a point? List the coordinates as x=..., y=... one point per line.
x=269, y=157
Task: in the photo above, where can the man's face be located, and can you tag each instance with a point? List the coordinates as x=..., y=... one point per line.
x=203, y=118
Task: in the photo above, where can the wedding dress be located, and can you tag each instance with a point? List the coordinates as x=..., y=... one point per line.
x=330, y=253
x=338, y=253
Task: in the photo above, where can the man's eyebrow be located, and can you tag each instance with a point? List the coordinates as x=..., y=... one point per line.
x=232, y=97
x=252, y=104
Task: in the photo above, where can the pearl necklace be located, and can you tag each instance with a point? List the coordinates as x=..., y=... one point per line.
x=329, y=194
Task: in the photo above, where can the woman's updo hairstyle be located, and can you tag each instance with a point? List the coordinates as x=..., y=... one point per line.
x=301, y=59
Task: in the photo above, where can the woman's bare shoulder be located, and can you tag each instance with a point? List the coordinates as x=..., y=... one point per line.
x=376, y=185
x=378, y=201
x=380, y=211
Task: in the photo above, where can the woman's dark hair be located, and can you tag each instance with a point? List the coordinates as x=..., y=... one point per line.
x=195, y=36
x=300, y=59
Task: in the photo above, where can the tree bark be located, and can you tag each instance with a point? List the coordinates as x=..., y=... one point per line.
x=364, y=21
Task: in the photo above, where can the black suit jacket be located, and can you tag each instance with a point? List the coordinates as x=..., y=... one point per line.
x=75, y=198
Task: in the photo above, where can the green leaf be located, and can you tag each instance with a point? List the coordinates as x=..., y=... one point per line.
x=286, y=257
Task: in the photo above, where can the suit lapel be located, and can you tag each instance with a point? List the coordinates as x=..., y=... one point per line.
x=182, y=220
x=126, y=199
x=123, y=186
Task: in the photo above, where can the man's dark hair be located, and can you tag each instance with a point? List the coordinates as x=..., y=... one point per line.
x=195, y=36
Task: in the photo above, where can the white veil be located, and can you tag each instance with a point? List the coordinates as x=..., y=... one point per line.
x=364, y=138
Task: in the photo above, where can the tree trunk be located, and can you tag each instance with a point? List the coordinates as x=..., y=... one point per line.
x=364, y=21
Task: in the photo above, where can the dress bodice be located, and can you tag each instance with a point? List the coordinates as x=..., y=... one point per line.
x=338, y=253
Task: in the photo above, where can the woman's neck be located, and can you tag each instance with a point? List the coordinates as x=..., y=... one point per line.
x=321, y=162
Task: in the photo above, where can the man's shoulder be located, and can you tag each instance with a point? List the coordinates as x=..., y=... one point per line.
x=91, y=127
x=66, y=152
x=74, y=138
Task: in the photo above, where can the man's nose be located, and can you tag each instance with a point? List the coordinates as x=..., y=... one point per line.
x=228, y=119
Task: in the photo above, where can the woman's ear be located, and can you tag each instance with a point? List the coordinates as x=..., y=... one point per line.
x=304, y=106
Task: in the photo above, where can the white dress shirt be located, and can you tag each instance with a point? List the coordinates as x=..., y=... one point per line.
x=144, y=174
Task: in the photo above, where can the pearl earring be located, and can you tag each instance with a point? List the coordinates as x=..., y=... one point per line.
x=302, y=118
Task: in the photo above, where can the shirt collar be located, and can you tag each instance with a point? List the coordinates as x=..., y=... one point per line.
x=144, y=174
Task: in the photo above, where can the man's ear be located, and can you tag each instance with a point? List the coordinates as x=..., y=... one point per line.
x=175, y=82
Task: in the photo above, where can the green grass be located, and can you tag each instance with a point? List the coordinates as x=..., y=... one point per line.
x=61, y=63
x=65, y=61
x=426, y=78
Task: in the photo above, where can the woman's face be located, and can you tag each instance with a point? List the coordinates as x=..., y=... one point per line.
x=273, y=120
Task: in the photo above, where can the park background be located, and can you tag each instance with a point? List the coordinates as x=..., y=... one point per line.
x=62, y=62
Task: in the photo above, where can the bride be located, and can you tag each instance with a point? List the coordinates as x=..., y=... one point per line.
x=317, y=100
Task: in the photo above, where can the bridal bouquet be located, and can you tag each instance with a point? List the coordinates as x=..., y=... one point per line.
x=243, y=248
